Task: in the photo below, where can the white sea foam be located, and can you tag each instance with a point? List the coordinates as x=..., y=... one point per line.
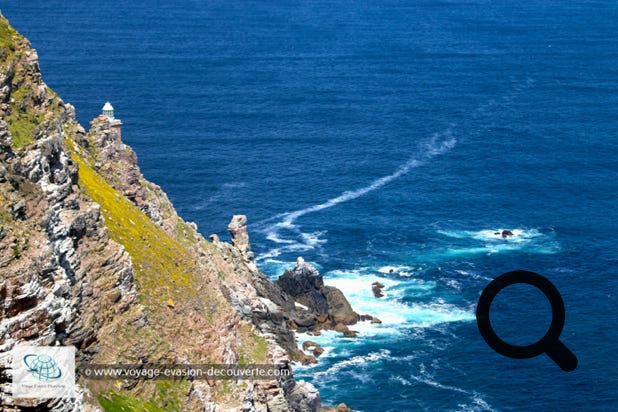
x=400, y=380
x=369, y=359
x=401, y=270
x=518, y=235
x=528, y=240
x=233, y=185
x=393, y=313
x=453, y=284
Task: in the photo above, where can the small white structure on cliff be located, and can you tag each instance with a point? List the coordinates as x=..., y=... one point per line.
x=108, y=110
x=114, y=124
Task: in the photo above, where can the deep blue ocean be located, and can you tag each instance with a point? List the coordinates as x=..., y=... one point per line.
x=384, y=141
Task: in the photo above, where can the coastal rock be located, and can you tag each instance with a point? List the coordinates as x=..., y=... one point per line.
x=326, y=305
x=240, y=237
x=313, y=347
x=339, y=309
x=63, y=278
x=376, y=288
x=304, y=397
x=305, y=284
x=342, y=407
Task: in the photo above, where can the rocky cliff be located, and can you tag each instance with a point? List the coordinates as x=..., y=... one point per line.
x=94, y=256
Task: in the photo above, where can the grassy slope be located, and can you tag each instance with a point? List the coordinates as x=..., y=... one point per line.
x=164, y=273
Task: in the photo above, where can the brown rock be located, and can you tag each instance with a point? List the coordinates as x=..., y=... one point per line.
x=313, y=347
x=306, y=286
x=240, y=235
x=341, y=328
x=340, y=309
x=306, y=359
x=350, y=334
x=318, y=351
x=376, y=288
x=306, y=321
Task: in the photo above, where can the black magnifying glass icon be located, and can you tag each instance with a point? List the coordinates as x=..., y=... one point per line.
x=550, y=343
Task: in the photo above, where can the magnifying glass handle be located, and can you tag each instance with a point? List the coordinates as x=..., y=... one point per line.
x=563, y=357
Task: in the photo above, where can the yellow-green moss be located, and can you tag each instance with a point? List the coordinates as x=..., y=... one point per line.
x=22, y=126
x=162, y=266
x=253, y=348
x=166, y=398
x=6, y=34
x=260, y=350
x=161, y=271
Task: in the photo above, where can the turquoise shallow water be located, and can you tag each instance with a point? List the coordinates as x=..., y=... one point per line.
x=376, y=137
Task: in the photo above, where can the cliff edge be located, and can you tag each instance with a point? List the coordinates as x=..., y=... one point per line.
x=92, y=255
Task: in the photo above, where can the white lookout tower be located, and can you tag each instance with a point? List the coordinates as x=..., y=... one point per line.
x=108, y=110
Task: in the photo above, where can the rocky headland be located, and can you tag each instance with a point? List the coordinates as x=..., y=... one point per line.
x=94, y=256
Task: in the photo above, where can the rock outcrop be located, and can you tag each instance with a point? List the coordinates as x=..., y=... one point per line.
x=240, y=238
x=313, y=347
x=505, y=233
x=327, y=307
x=376, y=288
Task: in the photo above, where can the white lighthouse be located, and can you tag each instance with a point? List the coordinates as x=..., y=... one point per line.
x=108, y=110
x=115, y=124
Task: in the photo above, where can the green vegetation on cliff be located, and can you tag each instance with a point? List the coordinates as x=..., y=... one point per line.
x=163, y=273
x=163, y=267
x=29, y=103
x=169, y=285
x=169, y=398
x=6, y=37
x=22, y=127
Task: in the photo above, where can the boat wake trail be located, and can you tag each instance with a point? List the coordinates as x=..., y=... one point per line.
x=439, y=143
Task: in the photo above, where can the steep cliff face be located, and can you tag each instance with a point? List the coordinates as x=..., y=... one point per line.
x=61, y=277
x=93, y=255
